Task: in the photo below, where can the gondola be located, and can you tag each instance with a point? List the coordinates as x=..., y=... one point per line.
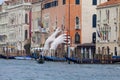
x=6, y=57
x=78, y=60
x=72, y=59
x=53, y=58
x=115, y=59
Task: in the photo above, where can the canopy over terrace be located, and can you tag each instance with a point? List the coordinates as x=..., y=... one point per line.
x=87, y=50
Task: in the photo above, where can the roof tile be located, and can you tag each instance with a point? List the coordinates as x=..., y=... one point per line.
x=110, y=2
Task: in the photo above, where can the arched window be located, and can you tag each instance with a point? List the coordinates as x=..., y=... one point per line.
x=77, y=38
x=77, y=23
x=26, y=18
x=94, y=37
x=94, y=2
x=94, y=18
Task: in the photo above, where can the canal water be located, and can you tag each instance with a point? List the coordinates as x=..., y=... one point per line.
x=31, y=70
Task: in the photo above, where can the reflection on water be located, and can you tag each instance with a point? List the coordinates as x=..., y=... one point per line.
x=31, y=70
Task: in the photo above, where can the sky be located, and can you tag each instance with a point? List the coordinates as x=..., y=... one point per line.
x=1, y=1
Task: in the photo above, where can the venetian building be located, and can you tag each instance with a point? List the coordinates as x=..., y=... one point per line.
x=89, y=16
x=64, y=14
x=3, y=25
x=53, y=16
x=88, y=27
x=38, y=32
x=78, y=18
x=19, y=25
x=108, y=28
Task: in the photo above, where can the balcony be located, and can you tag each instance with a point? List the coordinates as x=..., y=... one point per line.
x=77, y=27
x=43, y=30
x=98, y=22
x=105, y=22
x=37, y=30
x=40, y=30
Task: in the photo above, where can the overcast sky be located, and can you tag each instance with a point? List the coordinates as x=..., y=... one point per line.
x=1, y=1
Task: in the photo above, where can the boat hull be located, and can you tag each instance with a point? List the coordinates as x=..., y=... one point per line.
x=52, y=58
x=78, y=60
x=7, y=57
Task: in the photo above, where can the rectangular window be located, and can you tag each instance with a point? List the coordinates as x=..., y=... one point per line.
x=94, y=21
x=50, y=4
x=77, y=1
x=115, y=51
x=94, y=2
x=77, y=24
x=64, y=2
x=56, y=3
x=26, y=18
x=26, y=33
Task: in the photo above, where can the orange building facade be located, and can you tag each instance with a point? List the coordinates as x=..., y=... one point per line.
x=65, y=14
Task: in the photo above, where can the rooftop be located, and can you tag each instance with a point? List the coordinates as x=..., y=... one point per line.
x=110, y=2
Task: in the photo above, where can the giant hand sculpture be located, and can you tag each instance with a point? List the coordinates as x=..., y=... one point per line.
x=51, y=39
x=60, y=39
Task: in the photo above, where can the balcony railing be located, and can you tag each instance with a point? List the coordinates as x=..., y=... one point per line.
x=105, y=22
x=77, y=27
x=43, y=30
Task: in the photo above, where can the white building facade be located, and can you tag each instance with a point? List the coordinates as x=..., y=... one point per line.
x=89, y=17
x=3, y=25
x=88, y=24
x=108, y=28
x=36, y=39
x=17, y=25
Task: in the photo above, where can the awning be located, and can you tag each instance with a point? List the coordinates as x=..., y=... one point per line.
x=11, y=46
x=86, y=45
